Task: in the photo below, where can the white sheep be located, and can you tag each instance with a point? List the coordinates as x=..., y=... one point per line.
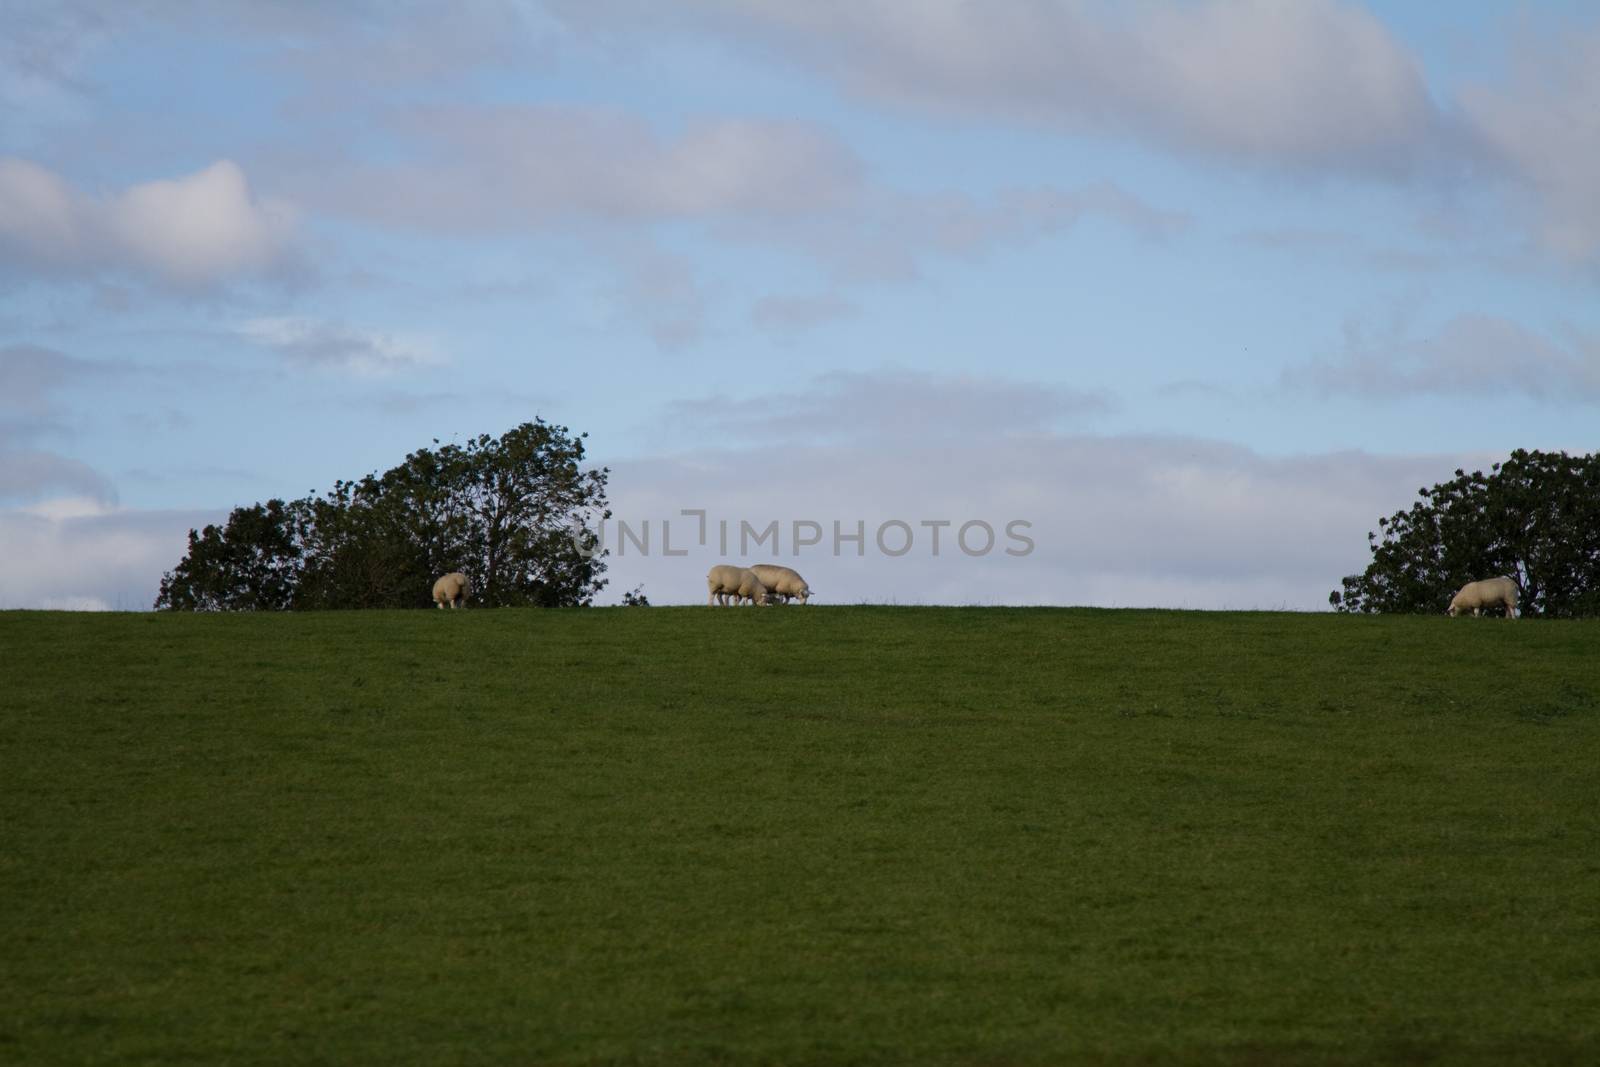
x=725, y=580
x=1489, y=593
x=782, y=582
x=452, y=589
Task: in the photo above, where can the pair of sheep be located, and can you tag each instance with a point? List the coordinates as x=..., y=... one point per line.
x=1489, y=593
x=757, y=585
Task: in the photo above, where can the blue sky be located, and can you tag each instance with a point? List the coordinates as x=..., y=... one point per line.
x=1197, y=289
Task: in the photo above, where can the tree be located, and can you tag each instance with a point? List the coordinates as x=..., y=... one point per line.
x=503, y=510
x=360, y=550
x=253, y=563
x=517, y=508
x=1534, y=518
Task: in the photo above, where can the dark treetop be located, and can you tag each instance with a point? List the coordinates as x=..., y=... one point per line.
x=1534, y=518
x=501, y=510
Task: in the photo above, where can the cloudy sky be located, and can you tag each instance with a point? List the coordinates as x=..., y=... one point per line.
x=1195, y=289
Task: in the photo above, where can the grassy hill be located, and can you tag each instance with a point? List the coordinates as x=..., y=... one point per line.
x=798, y=835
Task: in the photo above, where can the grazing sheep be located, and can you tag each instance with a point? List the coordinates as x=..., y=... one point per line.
x=1489, y=593
x=452, y=589
x=782, y=582
x=724, y=580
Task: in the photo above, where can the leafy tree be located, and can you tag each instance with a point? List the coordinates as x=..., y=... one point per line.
x=360, y=551
x=1534, y=518
x=517, y=508
x=252, y=563
x=503, y=510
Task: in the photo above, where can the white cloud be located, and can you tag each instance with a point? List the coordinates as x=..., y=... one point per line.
x=1313, y=87
x=1314, y=84
x=1117, y=520
x=787, y=184
x=192, y=231
x=786, y=316
x=61, y=508
x=29, y=374
x=38, y=213
x=200, y=227
x=348, y=48
x=335, y=346
x=41, y=51
x=660, y=292
x=74, y=603
x=1469, y=355
x=29, y=473
x=895, y=403
x=487, y=170
x=84, y=555
x=887, y=234
x=1544, y=129
x=359, y=48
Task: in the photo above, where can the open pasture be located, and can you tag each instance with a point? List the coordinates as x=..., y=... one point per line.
x=804, y=835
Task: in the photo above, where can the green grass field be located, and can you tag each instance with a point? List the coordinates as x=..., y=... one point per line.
x=798, y=836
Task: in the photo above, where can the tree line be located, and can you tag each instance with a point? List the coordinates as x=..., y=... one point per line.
x=510, y=512
x=1534, y=518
